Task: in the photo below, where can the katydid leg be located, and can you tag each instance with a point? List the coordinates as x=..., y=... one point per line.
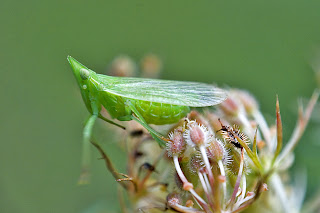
x=111, y=122
x=156, y=135
x=86, y=157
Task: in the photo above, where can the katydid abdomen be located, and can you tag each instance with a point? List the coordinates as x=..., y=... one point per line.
x=152, y=112
x=160, y=113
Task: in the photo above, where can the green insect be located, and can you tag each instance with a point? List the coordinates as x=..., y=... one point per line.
x=147, y=101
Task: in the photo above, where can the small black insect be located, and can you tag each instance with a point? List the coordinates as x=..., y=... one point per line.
x=229, y=134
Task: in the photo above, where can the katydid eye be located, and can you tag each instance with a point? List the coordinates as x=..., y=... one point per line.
x=84, y=74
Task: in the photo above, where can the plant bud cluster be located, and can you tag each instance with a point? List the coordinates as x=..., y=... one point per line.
x=218, y=160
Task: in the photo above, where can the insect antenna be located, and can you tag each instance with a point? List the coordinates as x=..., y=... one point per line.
x=223, y=127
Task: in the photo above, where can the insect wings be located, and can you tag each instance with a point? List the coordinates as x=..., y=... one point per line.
x=181, y=93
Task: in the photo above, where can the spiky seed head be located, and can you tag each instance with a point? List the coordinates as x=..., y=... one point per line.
x=197, y=135
x=176, y=145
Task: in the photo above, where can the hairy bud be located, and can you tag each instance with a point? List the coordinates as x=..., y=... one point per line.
x=197, y=135
x=176, y=145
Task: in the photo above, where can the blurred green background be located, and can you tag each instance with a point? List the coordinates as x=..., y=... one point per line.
x=260, y=46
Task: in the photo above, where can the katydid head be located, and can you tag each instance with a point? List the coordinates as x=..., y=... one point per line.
x=83, y=75
x=81, y=72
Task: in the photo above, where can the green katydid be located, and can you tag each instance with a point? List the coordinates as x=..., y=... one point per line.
x=147, y=101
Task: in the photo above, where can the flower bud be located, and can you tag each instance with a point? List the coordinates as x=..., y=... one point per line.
x=176, y=145
x=195, y=115
x=197, y=135
x=216, y=150
x=230, y=107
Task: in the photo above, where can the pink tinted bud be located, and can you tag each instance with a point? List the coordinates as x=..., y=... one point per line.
x=230, y=107
x=193, y=115
x=216, y=150
x=176, y=145
x=196, y=116
x=197, y=135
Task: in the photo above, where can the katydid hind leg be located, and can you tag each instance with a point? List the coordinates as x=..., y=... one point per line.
x=86, y=154
x=156, y=135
